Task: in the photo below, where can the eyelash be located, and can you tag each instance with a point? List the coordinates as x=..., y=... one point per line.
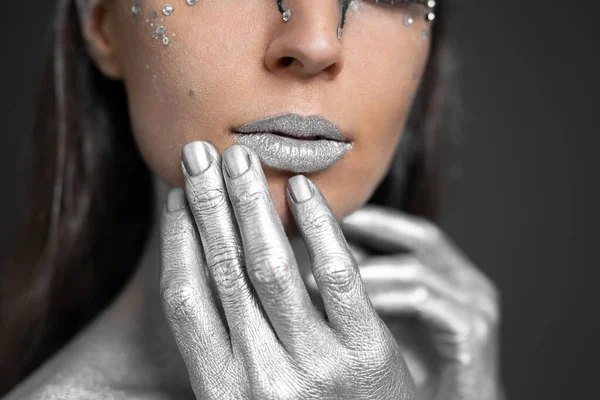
x=398, y=3
x=391, y=3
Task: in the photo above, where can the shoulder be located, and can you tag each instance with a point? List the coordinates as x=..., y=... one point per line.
x=55, y=392
x=81, y=392
x=97, y=367
x=87, y=385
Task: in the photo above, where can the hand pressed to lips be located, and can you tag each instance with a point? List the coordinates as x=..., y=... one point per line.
x=272, y=343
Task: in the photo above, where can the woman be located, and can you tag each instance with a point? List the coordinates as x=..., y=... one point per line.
x=317, y=95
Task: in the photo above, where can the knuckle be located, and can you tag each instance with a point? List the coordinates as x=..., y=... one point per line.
x=248, y=198
x=319, y=223
x=482, y=330
x=271, y=385
x=338, y=276
x=180, y=300
x=177, y=230
x=228, y=274
x=272, y=274
x=207, y=200
x=473, y=334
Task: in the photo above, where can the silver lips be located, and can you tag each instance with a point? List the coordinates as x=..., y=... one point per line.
x=294, y=143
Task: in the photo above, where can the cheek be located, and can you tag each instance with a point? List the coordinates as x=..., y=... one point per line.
x=199, y=86
x=386, y=61
x=182, y=91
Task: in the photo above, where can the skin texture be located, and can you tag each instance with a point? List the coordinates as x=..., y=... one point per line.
x=278, y=345
x=223, y=69
x=246, y=310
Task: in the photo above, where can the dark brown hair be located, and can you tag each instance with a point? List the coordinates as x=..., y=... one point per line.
x=92, y=197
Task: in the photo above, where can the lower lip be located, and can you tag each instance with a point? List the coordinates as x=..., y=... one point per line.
x=296, y=155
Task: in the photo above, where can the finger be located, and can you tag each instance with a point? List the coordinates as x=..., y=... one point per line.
x=334, y=268
x=270, y=261
x=451, y=326
x=399, y=273
x=396, y=273
x=207, y=197
x=186, y=298
x=394, y=229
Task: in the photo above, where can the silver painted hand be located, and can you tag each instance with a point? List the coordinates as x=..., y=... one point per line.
x=455, y=303
x=271, y=342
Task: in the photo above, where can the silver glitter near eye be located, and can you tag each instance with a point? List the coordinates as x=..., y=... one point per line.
x=161, y=34
x=191, y=2
x=136, y=7
x=287, y=14
x=408, y=20
x=339, y=32
x=168, y=9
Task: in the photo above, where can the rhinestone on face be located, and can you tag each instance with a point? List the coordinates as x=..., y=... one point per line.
x=191, y=2
x=165, y=40
x=408, y=20
x=136, y=8
x=287, y=14
x=168, y=9
x=339, y=33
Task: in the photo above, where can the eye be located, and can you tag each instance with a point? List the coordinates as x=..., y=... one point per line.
x=404, y=3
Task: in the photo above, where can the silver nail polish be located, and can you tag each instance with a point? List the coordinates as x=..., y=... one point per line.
x=237, y=161
x=300, y=189
x=196, y=158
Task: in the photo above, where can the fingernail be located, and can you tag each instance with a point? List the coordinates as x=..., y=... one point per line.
x=196, y=159
x=176, y=200
x=300, y=189
x=236, y=160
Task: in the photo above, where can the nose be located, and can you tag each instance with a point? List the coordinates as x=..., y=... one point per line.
x=307, y=45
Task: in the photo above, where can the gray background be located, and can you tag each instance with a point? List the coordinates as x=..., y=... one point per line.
x=523, y=204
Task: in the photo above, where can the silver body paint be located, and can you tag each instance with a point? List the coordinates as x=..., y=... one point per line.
x=130, y=353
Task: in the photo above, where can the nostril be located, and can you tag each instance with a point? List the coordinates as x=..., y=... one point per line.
x=286, y=61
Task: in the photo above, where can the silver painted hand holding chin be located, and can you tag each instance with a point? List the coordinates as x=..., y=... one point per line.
x=270, y=342
x=440, y=303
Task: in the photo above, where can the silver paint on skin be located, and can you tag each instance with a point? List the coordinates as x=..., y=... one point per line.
x=130, y=353
x=294, y=143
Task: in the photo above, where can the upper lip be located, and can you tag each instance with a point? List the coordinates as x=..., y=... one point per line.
x=295, y=125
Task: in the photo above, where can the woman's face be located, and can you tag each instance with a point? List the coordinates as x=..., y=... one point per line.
x=230, y=62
